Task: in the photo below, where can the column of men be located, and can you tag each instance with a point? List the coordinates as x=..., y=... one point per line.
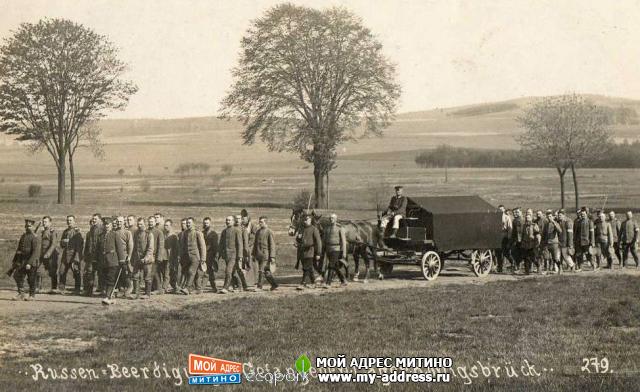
x=125, y=255
x=550, y=241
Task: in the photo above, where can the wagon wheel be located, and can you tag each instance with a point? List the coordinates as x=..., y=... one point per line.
x=481, y=261
x=431, y=265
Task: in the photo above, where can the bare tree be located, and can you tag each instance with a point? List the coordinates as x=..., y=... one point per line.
x=57, y=78
x=564, y=131
x=307, y=81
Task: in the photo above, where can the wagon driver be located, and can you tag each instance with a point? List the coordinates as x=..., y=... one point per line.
x=397, y=210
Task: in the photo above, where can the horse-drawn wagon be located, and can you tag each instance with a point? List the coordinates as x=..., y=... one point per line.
x=442, y=228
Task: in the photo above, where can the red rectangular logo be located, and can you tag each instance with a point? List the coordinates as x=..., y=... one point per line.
x=201, y=365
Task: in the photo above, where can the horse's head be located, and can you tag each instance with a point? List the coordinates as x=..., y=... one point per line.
x=295, y=221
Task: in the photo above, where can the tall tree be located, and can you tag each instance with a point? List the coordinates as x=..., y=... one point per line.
x=308, y=80
x=57, y=78
x=564, y=131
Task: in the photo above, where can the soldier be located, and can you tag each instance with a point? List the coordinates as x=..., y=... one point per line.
x=92, y=258
x=516, y=238
x=71, y=243
x=49, y=252
x=264, y=250
x=565, y=238
x=125, y=237
x=159, y=220
x=249, y=234
x=231, y=251
x=171, y=244
x=142, y=258
x=583, y=239
x=615, y=231
x=131, y=223
x=603, y=235
x=114, y=257
x=335, y=246
x=504, y=252
x=629, y=238
x=26, y=261
x=193, y=251
x=530, y=240
x=551, y=233
x=542, y=256
x=211, y=241
x=184, y=262
x=311, y=250
x=247, y=242
x=161, y=268
x=397, y=210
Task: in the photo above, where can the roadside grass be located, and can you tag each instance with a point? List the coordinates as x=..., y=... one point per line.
x=552, y=323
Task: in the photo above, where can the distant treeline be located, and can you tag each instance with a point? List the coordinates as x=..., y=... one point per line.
x=623, y=155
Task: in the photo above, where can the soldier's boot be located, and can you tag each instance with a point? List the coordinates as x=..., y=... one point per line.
x=259, y=283
x=212, y=282
x=134, y=293
x=147, y=290
x=271, y=281
x=89, y=290
x=38, y=283
x=19, y=297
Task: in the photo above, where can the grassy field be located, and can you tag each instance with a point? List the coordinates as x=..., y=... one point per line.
x=549, y=323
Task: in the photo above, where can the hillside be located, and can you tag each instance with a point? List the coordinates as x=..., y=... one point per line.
x=160, y=145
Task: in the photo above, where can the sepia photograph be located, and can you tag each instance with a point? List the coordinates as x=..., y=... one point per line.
x=319, y=195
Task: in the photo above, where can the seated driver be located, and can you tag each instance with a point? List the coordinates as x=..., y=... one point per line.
x=397, y=210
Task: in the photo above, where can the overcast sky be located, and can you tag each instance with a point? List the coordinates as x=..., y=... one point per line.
x=448, y=52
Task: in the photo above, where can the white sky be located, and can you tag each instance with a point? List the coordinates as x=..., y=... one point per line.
x=448, y=52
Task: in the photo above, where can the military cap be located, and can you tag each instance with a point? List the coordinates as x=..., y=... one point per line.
x=29, y=222
x=549, y=211
x=398, y=187
x=244, y=213
x=583, y=209
x=561, y=211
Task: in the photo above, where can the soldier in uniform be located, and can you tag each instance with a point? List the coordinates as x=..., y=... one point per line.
x=249, y=230
x=131, y=223
x=71, y=243
x=583, y=238
x=142, y=258
x=26, y=261
x=615, y=231
x=161, y=267
x=264, y=250
x=231, y=251
x=551, y=233
x=114, y=257
x=335, y=246
x=211, y=241
x=530, y=241
x=126, y=240
x=396, y=211
x=159, y=220
x=49, y=252
x=565, y=239
x=171, y=244
x=193, y=251
x=516, y=238
x=603, y=235
x=629, y=238
x=184, y=263
x=311, y=244
x=542, y=256
x=504, y=252
x=92, y=258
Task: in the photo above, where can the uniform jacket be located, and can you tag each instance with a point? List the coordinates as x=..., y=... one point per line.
x=628, y=231
x=615, y=229
x=530, y=235
x=311, y=242
x=71, y=243
x=551, y=232
x=159, y=252
x=193, y=246
x=603, y=233
x=171, y=244
x=583, y=232
x=335, y=240
x=113, y=248
x=516, y=231
x=507, y=226
x=91, y=243
x=231, y=244
x=29, y=250
x=211, y=241
x=126, y=240
x=143, y=247
x=248, y=238
x=566, y=235
x=398, y=205
x=264, y=247
x=49, y=243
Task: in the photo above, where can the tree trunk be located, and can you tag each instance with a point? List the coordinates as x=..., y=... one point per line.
x=561, y=173
x=72, y=176
x=320, y=192
x=328, y=192
x=62, y=173
x=575, y=185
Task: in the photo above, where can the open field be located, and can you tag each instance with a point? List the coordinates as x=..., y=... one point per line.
x=548, y=324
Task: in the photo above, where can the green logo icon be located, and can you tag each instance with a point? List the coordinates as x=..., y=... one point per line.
x=303, y=364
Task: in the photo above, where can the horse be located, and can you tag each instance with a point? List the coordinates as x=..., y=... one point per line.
x=363, y=238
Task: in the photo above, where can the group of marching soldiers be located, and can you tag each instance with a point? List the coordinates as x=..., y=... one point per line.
x=129, y=254
x=550, y=241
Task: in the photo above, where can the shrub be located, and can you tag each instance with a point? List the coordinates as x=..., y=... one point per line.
x=34, y=190
x=301, y=200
